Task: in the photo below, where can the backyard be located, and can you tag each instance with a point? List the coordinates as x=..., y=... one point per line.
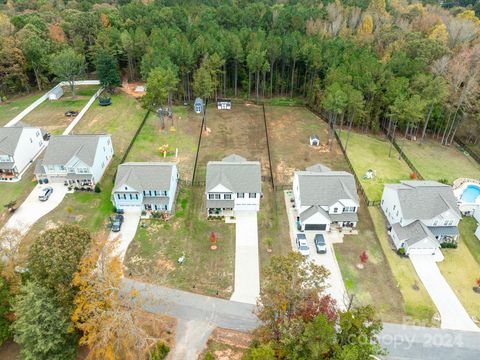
x=16, y=105
x=89, y=209
x=50, y=115
x=418, y=305
x=461, y=269
x=289, y=130
x=435, y=161
x=183, y=135
x=371, y=152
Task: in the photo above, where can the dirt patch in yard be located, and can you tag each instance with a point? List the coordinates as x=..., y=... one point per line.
x=226, y=344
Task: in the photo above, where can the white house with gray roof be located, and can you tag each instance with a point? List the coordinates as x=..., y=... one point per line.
x=75, y=160
x=325, y=198
x=19, y=146
x=149, y=186
x=233, y=184
x=422, y=214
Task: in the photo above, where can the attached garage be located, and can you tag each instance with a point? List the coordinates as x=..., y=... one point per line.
x=414, y=238
x=318, y=227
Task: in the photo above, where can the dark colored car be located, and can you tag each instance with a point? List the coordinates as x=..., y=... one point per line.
x=320, y=244
x=117, y=223
x=71, y=113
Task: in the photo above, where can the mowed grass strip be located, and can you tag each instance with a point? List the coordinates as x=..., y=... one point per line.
x=289, y=130
x=435, y=161
x=461, y=270
x=182, y=135
x=371, y=152
x=375, y=284
x=152, y=256
x=418, y=305
x=89, y=209
x=15, y=105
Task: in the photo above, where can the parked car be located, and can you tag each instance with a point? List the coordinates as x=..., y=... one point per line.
x=71, y=113
x=117, y=223
x=302, y=245
x=320, y=244
x=45, y=193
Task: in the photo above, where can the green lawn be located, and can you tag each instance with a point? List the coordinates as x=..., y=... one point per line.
x=418, y=305
x=461, y=270
x=435, y=161
x=16, y=105
x=152, y=255
x=183, y=135
x=375, y=284
x=467, y=227
x=371, y=152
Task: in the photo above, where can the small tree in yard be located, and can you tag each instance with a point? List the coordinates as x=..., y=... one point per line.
x=10, y=206
x=413, y=176
x=363, y=259
x=213, y=240
x=67, y=65
x=477, y=287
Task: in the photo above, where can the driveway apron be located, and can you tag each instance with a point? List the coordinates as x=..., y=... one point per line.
x=124, y=237
x=453, y=314
x=247, y=272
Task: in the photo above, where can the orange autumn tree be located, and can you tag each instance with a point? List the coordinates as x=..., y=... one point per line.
x=107, y=318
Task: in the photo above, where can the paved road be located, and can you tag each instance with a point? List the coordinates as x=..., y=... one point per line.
x=247, y=272
x=33, y=209
x=453, y=314
x=402, y=342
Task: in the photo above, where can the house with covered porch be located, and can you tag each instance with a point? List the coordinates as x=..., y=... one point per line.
x=325, y=199
x=75, y=160
x=421, y=214
x=233, y=184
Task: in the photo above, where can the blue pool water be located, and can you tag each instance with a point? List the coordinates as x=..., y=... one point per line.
x=470, y=193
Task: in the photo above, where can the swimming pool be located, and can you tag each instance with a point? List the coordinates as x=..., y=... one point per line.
x=470, y=193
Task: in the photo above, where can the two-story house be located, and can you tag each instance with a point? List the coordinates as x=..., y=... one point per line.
x=149, y=186
x=422, y=214
x=233, y=184
x=19, y=146
x=325, y=199
x=75, y=160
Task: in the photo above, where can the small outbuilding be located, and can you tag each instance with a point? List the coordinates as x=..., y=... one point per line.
x=198, y=105
x=314, y=140
x=140, y=89
x=56, y=93
x=224, y=104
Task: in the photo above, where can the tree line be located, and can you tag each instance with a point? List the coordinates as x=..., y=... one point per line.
x=367, y=64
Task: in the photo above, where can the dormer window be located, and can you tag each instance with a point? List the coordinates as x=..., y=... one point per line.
x=335, y=210
x=435, y=223
x=126, y=188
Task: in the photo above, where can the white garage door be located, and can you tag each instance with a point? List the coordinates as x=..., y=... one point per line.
x=422, y=251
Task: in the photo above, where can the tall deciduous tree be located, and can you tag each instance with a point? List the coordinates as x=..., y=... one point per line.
x=68, y=65
x=36, y=52
x=107, y=70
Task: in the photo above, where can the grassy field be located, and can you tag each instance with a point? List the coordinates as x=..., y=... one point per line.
x=467, y=228
x=436, y=162
x=152, y=255
x=50, y=115
x=371, y=152
x=16, y=105
x=91, y=210
x=289, y=131
x=418, y=305
x=460, y=269
x=375, y=283
x=183, y=135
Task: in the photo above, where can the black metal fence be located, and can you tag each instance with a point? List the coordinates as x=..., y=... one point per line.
x=467, y=148
x=268, y=147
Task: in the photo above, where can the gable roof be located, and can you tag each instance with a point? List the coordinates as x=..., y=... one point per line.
x=235, y=173
x=424, y=199
x=414, y=233
x=144, y=175
x=61, y=149
x=9, y=137
x=321, y=186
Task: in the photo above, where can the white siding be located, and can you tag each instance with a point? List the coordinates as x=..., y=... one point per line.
x=102, y=157
x=29, y=145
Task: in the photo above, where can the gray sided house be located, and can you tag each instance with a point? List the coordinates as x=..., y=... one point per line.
x=422, y=215
x=233, y=184
x=148, y=186
x=325, y=199
x=75, y=160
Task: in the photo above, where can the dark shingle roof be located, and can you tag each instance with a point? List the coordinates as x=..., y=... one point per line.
x=413, y=233
x=145, y=175
x=235, y=173
x=9, y=137
x=424, y=199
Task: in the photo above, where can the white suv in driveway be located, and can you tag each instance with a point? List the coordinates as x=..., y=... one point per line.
x=302, y=245
x=45, y=193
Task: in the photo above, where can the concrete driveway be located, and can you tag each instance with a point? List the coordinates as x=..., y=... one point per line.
x=33, y=209
x=453, y=314
x=247, y=271
x=124, y=237
x=335, y=285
